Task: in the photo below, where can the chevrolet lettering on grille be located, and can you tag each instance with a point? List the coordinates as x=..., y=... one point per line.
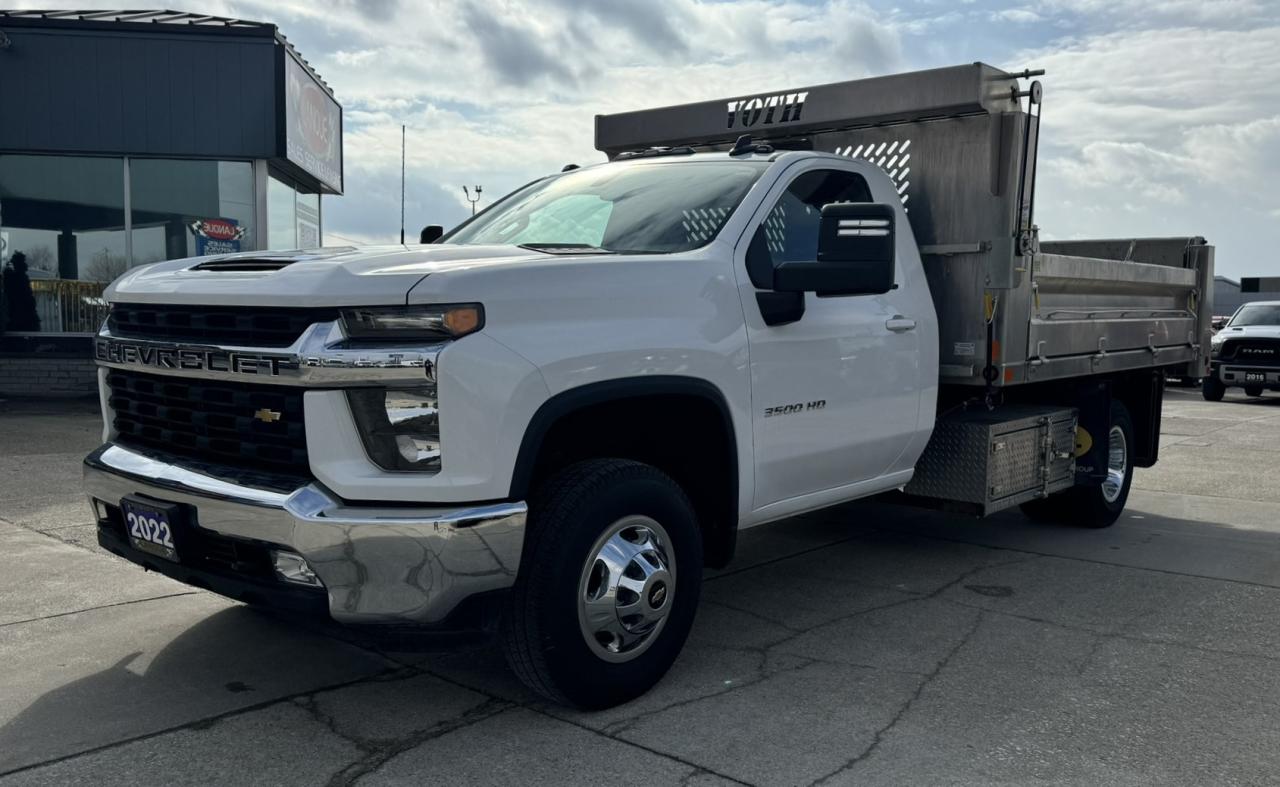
x=157, y=356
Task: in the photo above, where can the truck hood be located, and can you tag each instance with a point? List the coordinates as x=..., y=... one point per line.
x=341, y=276
x=1248, y=332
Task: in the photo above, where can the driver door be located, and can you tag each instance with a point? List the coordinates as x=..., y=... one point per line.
x=836, y=393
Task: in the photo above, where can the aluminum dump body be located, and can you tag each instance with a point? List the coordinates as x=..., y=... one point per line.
x=960, y=144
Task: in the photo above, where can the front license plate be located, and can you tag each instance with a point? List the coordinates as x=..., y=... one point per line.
x=1255, y=377
x=150, y=526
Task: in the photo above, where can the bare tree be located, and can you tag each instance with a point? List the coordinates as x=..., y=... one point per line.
x=105, y=267
x=41, y=258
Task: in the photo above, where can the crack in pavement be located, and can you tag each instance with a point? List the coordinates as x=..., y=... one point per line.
x=753, y=614
x=203, y=723
x=915, y=595
x=540, y=711
x=1118, y=635
x=101, y=606
x=772, y=561
x=1092, y=561
x=378, y=752
x=763, y=673
x=1083, y=665
x=884, y=731
x=767, y=650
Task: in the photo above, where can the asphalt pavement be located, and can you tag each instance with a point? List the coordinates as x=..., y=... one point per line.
x=868, y=644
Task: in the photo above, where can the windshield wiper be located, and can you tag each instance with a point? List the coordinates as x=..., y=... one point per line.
x=565, y=248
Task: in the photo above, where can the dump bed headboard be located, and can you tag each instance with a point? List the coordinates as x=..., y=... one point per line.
x=955, y=141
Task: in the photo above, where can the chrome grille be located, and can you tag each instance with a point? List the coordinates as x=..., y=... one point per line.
x=240, y=326
x=248, y=426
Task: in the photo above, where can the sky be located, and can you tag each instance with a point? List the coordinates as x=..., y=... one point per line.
x=1159, y=118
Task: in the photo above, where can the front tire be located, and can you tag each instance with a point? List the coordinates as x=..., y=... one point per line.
x=1212, y=389
x=1253, y=390
x=608, y=584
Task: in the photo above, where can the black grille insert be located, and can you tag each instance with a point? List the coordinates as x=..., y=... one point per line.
x=1251, y=352
x=228, y=325
x=258, y=427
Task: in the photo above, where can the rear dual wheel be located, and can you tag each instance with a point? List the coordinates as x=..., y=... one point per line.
x=608, y=584
x=1095, y=505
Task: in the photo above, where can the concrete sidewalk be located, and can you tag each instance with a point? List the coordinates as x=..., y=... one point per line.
x=868, y=644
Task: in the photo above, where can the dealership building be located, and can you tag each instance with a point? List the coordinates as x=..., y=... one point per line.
x=130, y=137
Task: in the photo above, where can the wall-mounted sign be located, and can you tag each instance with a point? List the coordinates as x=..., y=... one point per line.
x=313, y=126
x=217, y=236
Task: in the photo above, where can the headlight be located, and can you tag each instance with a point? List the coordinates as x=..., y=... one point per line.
x=400, y=428
x=413, y=323
x=1215, y=346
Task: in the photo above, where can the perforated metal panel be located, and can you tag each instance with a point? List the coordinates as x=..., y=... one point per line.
x=702, y=224
x=994, y=460
x=893, y=156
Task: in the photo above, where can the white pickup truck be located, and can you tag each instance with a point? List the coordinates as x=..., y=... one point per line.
x=556, y=415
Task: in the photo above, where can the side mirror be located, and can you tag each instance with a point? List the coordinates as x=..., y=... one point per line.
x=1218, y=323
x=431, y=233
x=855, y=253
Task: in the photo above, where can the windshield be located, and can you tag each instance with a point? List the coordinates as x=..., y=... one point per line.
x=627, y=208
x=1257, y=314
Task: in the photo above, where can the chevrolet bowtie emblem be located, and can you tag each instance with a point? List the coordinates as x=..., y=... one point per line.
x=267, y=416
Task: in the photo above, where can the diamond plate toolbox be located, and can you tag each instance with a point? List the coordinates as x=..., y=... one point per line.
x=1000, y=458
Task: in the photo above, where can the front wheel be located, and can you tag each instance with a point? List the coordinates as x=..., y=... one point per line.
x=1212, y=389
x=1253, y=390
x=608, y=584
x=1096, y=505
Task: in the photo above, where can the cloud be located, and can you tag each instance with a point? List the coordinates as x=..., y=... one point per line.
x=1159, y=118
x=649, y=24
x=1110, y=14
x=1127, y=169
x=1244, y=154
x=512, y=47
x=1017, y=15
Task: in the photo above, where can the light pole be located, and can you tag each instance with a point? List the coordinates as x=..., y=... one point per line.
x=401, y=184
x=472, y=200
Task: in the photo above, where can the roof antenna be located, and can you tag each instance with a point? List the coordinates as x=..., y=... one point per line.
x=743, y=146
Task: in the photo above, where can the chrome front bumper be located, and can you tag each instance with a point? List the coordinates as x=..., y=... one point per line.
x=377, y=564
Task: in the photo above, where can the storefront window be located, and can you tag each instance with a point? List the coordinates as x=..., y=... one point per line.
x=190, y=208
x=62, y=236
x=293, y=216
x=308, y=220
x=282, y=215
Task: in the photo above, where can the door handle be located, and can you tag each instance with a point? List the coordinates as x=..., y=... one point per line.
x=897, y=323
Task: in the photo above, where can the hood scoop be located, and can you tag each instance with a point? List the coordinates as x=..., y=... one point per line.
x=242, y=264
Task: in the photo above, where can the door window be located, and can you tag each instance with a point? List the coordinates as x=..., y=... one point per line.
x=789, y=233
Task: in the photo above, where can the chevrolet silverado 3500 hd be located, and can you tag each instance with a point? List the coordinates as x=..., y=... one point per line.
x=555, y=416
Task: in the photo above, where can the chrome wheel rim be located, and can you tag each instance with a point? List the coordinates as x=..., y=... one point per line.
x=627, y=588
x=1117, y=464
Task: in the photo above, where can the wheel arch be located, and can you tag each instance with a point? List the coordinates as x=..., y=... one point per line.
x=586, y=421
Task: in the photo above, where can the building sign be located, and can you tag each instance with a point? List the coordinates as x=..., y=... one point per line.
x=217, y=236
x=313, y=126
